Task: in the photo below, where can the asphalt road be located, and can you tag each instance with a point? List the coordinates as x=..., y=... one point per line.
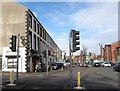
x=91, y=78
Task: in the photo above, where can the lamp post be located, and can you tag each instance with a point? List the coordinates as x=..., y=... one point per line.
x=101, y=55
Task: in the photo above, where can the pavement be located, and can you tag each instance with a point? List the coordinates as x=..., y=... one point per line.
x=90, y=78
x=21, y=84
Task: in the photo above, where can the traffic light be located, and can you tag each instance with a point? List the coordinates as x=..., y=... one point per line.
x=75, y=40
x=13, y=43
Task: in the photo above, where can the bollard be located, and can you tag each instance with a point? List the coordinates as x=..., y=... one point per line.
x=79, y=83
x=79, y=79
x=12, y=79
x=51, y=68
x=62, y=68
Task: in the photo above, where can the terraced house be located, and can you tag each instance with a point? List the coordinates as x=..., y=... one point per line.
x=17, y=19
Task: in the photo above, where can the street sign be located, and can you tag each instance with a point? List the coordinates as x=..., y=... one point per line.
x=73, y=57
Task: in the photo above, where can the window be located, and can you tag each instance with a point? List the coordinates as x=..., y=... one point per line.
x=40, y=32
x=34, y=41
x=37, y=28
x=11, y=63
x=34, y=27
x=45, y=35
x=30, y=39
x=38, y=43
x=29, y=20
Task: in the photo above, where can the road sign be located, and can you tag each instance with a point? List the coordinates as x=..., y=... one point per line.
x=73, y=57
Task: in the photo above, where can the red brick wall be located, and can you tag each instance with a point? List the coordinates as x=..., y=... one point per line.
x=112, y=53
x=107, y=52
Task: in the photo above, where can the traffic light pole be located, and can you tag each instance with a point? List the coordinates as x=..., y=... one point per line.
x=70, y=60
x=17, y=58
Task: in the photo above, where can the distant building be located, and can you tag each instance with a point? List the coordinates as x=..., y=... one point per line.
x=63, y=55
x=80, y=58
x=17, y=19
x=76, y=59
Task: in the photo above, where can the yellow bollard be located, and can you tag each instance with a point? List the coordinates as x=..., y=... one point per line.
x=12, y=76
x=79, y=79
x=11, y=79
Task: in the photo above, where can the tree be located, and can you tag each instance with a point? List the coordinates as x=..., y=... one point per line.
x=84, y=53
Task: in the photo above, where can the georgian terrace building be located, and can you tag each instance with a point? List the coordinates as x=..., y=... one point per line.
x=17, y=19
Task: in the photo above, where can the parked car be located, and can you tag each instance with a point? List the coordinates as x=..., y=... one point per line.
x=74, y=64
x=112, y=64
x=81, y=64
x=85, y=64
x=60, y=65
x=54, y=66
x=65, y=64
x=101, y=63
x=68, y=64
x=106, y=64
x=96, y=64
x=116, y=67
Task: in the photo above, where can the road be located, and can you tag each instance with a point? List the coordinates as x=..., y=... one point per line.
x=91, y=78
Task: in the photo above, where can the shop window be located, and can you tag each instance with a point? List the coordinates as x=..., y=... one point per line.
x=11, y=63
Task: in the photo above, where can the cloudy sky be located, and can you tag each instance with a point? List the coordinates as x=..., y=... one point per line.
x=96, y=21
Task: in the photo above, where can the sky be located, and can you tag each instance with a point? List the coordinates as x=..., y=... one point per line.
x=97, y=22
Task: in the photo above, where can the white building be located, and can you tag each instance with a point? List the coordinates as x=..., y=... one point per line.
x=17, y=19
x=10, y=60
x=63, y=56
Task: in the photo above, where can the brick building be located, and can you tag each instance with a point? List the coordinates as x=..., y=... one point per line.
x=112, y=52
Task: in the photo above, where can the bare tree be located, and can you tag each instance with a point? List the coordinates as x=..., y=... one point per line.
x=84, y=53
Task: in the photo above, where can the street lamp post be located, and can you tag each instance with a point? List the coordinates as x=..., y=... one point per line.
x=101, y=55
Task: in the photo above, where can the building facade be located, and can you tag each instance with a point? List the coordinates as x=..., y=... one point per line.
x=112, y=52
x=17, y=19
